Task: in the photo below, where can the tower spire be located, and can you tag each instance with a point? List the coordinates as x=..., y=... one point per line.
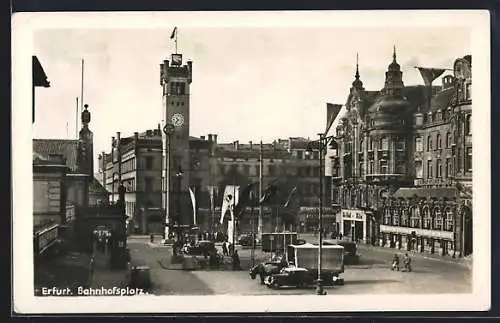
x=357, y=66
x=394, y=54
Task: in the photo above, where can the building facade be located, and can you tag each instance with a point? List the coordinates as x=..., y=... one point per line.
x=402, y=168
x=212, y=166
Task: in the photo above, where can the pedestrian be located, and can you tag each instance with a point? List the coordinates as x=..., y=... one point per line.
x=236, y=261
x=224, y=249
x=340, y=235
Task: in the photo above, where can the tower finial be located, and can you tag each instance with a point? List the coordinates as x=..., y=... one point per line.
x=357, y=66
x=394, y=53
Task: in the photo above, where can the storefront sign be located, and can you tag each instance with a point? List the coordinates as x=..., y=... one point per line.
x=353, y=215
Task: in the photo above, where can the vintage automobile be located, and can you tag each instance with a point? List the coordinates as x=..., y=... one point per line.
x=201, y=248
x=351, y=256
x=290, y=276
x=267, y=269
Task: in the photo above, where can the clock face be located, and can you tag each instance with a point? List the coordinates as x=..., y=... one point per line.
x=178, y=120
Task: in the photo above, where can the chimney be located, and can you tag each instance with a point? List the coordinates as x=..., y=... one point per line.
x=251, y=145
x=136, y=136
x=209, y=137
x=236, y=145
x=215, y=138
x=202, y=137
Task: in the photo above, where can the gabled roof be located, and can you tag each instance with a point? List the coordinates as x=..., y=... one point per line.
x=68, y=148
x=97, y=188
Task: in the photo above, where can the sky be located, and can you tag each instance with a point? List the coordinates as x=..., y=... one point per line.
x=249, y=83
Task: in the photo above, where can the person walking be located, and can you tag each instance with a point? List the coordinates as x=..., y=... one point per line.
x=236, y=261
x=224, y=249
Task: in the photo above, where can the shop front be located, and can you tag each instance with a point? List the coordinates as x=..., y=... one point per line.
x=354, y=224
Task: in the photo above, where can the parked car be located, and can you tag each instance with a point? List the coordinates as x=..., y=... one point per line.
x=290, y=276
x=265, y=269
x=201, y=248
x=246, y=240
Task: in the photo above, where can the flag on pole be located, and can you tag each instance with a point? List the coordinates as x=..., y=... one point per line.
x=230, y=197
x=430, y=74
x=174, y=32
x=290, y=197
x=193, y=202
x=244, y=199
x=269, y=194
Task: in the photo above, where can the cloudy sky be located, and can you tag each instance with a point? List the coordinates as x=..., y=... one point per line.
x=249, y=82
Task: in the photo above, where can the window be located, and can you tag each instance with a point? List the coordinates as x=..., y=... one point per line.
x=468, y=93
x=177, y=88
x=439, y=168
x=361, y=145
x=468, y=160
x=438, y=220
x=395, y=219
x=400, y=167
x=149, y=162
x=429, y=169
x=384, y=169
x=148, y=184
x=415, y=217
x=429, y=143
x=419, y=145
x=438, y=141
x=419, y=171
x=361, y=168
x=384, y=143
x=448, y=140
x=371, y=166
x=449, y=220
x=400, y=144
x=404, y=218
x=427, y=219
x=371, y=143
x=448, y=169
x=387, y=217
x=468, y=125
x=299, y=154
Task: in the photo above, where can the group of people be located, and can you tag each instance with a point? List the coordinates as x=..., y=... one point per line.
x=396, y=265
x=102, y=240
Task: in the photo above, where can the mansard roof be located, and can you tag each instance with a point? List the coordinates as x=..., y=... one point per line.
x=67, y=148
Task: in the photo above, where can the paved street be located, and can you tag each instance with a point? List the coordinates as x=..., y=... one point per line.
x=371, y=276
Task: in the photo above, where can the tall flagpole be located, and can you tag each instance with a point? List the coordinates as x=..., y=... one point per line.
x=176, y=32
x=81, y=93
x=261, y=166
x=76, y=120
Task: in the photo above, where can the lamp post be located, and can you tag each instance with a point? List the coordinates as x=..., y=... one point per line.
x=323, y=142
x=178, y=176
x=168, y=130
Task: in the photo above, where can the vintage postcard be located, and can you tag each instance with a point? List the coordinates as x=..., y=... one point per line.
x=203, y=162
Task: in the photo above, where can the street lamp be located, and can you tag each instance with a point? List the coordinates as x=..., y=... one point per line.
x=178, y=176
x=168, y=130
x=322, y=142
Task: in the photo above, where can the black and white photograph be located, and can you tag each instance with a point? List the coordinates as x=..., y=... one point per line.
x=251, y=161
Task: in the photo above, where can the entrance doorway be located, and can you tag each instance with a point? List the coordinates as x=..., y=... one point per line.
x=467, y=214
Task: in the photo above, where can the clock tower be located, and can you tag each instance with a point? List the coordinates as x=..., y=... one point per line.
x=175, y=79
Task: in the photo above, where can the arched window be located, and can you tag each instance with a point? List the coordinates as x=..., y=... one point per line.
x=384, y=143
x=448, y=225
x=387, y=216
x=438, y=219
x=438, y=141
x=427, y=219
x=404, y=218
x=361, y=142
x=415, y=217
x=419, y=145
x=429, y=143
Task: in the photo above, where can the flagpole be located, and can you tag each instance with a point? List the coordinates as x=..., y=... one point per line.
x=76, y=120
x=261, y=166
x=81, y=90
x=176, y=32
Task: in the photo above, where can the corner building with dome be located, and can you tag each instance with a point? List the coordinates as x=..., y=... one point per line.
x=402, y=163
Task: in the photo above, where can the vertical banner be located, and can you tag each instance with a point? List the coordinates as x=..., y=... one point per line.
x=193, y=202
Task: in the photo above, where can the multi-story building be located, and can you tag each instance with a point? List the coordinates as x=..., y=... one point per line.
x=404, y=161
x=213, y=166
